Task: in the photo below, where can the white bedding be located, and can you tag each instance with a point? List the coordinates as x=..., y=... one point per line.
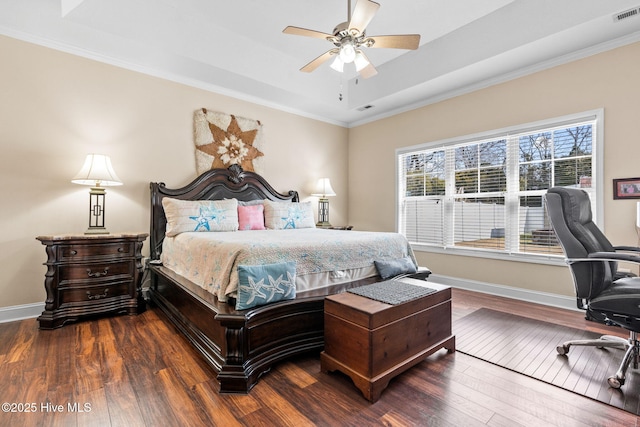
x=323, y=257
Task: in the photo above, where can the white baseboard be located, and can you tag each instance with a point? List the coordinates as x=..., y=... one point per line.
x=20, y=312
x=544, y=298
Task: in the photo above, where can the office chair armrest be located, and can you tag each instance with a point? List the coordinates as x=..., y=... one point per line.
x=627, y=248
x=612, y=256
x=605, y=256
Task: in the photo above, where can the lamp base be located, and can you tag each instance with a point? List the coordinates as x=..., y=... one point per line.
x=96, y=230
x=96, y=211
x=323, y=213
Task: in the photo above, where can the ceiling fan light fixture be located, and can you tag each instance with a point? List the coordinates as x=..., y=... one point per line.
x=350, y=36
x=338, y=64
x=347, y=52
x=360, y=61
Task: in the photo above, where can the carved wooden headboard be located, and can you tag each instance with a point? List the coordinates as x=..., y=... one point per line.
x=215, y=184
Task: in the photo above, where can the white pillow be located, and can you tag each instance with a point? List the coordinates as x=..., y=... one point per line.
x=200, y=215
x=282, y=215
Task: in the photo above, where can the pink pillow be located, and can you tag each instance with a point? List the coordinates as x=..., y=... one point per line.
x=251, y=217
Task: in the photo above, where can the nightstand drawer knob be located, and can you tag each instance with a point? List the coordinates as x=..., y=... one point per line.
x=97, y=296
x=74, y=252
x=98, y=273
x=121, y=250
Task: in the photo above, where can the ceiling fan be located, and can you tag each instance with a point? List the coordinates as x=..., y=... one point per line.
x=349, y=38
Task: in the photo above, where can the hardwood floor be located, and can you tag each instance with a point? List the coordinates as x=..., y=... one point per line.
x=138, y=371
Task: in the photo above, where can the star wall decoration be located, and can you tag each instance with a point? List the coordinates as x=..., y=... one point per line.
x=223, y=140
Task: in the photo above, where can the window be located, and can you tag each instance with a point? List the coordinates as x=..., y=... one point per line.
x=484, y=194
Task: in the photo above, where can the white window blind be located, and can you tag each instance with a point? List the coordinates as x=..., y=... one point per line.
x=485, y=193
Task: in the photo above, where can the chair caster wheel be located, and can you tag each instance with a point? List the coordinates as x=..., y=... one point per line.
x=615, y=382
x=562, y=349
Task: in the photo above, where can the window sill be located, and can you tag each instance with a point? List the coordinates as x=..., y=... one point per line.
x=479, y=253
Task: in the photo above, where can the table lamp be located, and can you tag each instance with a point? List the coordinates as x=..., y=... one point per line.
x=97, y=172
x=323, y=190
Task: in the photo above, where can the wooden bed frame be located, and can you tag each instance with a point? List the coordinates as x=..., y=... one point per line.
x=239, y=345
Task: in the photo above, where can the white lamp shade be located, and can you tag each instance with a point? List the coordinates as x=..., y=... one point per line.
x=97, y=170
x=338, y=64
x=360, y=61
x=323, y=188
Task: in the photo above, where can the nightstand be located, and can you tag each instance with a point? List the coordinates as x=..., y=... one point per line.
x=89, y=275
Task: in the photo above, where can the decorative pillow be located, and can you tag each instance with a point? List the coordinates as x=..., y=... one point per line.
x=390, y=268
x=263, y=284
x=251, y=217
x=200, y=215
x=282, y=215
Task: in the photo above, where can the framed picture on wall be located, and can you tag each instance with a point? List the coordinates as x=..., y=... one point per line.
x=626, y=188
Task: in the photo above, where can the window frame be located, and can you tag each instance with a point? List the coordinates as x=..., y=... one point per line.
x=597, y=156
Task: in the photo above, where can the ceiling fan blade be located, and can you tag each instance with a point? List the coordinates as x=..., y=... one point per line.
x=401, y=41
x=297, y=31
x=363, y=13
x=319, y=61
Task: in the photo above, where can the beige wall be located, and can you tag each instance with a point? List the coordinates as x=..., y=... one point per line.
x=55, y=108
x=608, y=80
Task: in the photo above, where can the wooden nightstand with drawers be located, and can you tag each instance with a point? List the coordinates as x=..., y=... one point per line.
x=89, y=275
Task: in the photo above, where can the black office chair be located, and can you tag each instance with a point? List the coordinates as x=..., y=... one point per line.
x=601, y=290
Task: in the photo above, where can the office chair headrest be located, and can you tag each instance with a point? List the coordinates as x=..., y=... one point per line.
x=575, y=203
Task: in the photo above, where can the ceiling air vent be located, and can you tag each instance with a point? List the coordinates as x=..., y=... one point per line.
x=626, y=14
x=366, y=107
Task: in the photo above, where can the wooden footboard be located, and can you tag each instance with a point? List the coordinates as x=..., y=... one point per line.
x=240, y=346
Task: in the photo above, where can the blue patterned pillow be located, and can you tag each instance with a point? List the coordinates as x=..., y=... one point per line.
x=285, y=215
x=262, y=284
x=389, y=268
x=200, y=215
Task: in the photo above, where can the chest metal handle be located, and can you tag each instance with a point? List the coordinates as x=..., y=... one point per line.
x=98, y=273
x=97, y=296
